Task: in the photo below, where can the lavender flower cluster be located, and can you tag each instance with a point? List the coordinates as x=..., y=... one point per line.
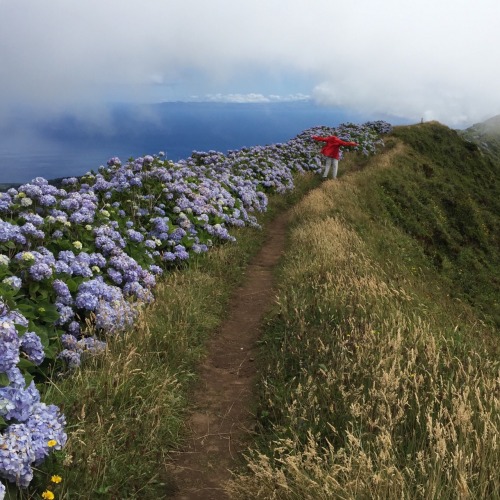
x=80, y=260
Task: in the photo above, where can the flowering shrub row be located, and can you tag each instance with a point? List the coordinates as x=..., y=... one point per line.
x=77, y=261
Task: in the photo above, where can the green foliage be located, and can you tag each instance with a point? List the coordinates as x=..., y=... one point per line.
x=447, y=197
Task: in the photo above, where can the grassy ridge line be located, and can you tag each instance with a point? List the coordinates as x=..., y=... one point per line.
x=446, y=194
x=486, y=135
x=378, y=381
x=125, y=410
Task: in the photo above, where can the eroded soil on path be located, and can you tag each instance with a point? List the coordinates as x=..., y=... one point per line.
x=221, y=421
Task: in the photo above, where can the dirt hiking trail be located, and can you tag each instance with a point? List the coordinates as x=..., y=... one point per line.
x=221, y=420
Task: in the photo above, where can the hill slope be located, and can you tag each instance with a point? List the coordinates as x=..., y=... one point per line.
x=486, y=134
x=380, y=361
x=446, y=194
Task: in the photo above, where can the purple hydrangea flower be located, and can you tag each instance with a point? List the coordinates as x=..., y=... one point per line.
x=47, y=200
x=74, y=328
x=69, y=341
x=116, y=276
x=114, y=161
x=34, y=219
x=5, y=202
x=156, y=269
x=181, y=253
x=168, y=257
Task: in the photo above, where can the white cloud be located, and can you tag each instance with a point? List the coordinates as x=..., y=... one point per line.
x=407, y=58
x=253, y=97
x=238, y=98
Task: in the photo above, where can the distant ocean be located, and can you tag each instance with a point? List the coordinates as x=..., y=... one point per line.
x=70, y=145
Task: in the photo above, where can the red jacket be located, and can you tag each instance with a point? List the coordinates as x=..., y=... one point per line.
x=332, y=146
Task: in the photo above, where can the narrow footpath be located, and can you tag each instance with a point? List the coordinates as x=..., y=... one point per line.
x=221, y=421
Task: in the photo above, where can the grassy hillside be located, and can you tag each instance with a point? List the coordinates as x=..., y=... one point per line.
x=486, y=134
x=445, y=194
x=380, y=361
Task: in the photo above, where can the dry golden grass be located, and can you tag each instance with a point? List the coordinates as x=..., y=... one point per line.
x=370, y=391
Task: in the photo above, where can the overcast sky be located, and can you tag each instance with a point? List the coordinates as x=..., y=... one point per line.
x=431, y=59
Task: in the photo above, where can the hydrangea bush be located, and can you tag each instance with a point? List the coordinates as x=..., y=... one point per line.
x=78, y=260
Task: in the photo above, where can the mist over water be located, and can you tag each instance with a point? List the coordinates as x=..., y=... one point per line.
x=70, y=145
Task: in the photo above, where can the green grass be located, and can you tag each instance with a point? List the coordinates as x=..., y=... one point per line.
x=446, y=196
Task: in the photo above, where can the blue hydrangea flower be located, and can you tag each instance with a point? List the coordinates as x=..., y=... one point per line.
x=74, y=328
x=9, y=345
x=40, y=271
x=46, y=423
x=11, y=232
x=86, y=300
x=32, y=347
x=69, y=341
x=135, y=236
x=72, y=359
x=16, y=455
x=34, y=219
x=13, y=281
x=5, y=202
x=66, y=314
x=22, y=400
x=63, y=294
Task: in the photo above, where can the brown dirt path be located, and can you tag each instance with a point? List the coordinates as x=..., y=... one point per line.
x=221, y=421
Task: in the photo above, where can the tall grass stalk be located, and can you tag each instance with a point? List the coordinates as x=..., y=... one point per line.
x=376, y=383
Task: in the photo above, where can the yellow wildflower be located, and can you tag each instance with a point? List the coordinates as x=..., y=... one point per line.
x=48, y=495
x=56, y=479
x=51, y=443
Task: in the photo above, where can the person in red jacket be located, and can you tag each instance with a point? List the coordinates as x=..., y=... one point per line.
x=332, y=152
